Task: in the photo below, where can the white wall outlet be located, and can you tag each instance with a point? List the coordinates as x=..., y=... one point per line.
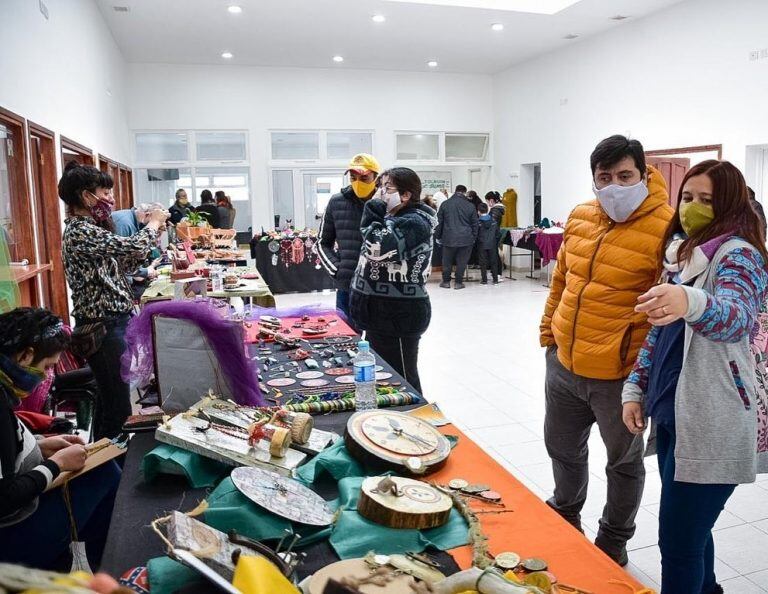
x=754, y=55
x=43, y=9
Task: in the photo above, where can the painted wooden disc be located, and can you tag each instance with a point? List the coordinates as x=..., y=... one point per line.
x=308, y=375
x=281, y=382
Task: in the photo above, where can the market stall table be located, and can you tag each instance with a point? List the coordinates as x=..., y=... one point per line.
x=287, y=270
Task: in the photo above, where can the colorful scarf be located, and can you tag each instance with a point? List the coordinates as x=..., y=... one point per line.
x=19, y=380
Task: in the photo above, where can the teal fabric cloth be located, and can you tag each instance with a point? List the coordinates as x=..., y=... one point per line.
x=199, y=471
x=334, y=460
x=167, y=576
x=354, y=536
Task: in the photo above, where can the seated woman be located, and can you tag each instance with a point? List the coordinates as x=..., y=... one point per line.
x=34, y=524
x=389, y=295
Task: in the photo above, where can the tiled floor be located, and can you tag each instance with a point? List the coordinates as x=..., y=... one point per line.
x=480, y=360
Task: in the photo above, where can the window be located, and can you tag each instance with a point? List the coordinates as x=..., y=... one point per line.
x=220, y=146
x=466, y=147
x=295, y=145
x=345, y=145
x=418, y=147
x=15, y=210
x=161, y=147
x=282, y=195
x=318, y=189
x=160, y=185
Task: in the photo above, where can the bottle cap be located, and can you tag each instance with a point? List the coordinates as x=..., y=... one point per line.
x=363, y=345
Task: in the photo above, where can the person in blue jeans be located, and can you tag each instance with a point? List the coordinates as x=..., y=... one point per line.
x=695, y=374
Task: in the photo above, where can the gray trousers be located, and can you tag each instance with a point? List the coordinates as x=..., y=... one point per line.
x=573, y=405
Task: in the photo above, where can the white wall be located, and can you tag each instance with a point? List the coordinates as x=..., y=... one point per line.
x=258, y=99
x=681, y=77
x=58, y=72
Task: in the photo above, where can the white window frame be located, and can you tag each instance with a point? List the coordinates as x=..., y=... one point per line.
x=441, y=160
x=476, y=161
x=192, y=144
x=298, y=191
x=323, y=160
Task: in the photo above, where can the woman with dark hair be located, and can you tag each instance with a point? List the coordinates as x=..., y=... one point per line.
x=181, y=207
x=226, y=211
x=388, y=293
x=474, y=198
x=96, y=262
x=694, y=376
x=34, y=524
x=208, y=209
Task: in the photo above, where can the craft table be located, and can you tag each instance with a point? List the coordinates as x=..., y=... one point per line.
x=256, y=290
x=284, y=275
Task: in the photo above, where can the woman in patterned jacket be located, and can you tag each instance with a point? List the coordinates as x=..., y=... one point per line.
x=96, y=262
x=389, y=295
x=695, y=374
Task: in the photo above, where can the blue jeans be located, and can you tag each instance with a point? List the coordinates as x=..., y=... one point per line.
x=42, y=539
x=687, y=514
x=342, y=301
x=114, y=405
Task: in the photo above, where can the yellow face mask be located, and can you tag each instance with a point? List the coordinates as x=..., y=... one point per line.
x=694, y=217
x=363, y=189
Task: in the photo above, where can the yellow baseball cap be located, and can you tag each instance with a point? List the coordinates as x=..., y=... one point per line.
x=363, y=163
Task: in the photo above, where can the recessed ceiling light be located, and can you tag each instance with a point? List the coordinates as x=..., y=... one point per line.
x=432, y=64
x=619, y=17
x=227, y=55
x=378, y=18
x=235, y=9
x=121, y=8
x=338, y=59
x=497, y=27
x=571, y=36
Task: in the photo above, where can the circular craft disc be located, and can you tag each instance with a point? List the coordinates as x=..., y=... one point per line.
x=315, y=383
x=383, y=375
x=339, y=371
x=402, y=435
x=457, y=483
x=345, y=379
x=534, y=564
x=491, y=495
x=305, y=375
x=418, y=505
x=358, y=569
x=507, y=560
x=538, y=579
x=282, y=496
x=281, y=382
x=378, y=368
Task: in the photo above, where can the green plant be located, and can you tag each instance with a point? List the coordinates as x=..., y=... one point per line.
x=195, y=218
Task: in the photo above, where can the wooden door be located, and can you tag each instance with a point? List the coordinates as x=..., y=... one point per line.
x=673, y=170
x=74, y=151
x=48, y=219
x=126, y=186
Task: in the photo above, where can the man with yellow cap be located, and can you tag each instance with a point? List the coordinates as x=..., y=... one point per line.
x=339, y=238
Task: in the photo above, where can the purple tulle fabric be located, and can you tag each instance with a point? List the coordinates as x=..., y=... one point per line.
x=226, y=343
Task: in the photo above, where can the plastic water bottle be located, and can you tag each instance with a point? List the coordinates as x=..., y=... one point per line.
x=365, y=377
x=217, y=278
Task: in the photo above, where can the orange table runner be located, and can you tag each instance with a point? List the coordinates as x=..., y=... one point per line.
x=534, y=529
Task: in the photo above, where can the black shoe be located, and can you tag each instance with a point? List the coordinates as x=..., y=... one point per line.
x=445, y=285
x=621, y=558
x=484, y=282
x=716, y=589
x=496, y=282
x=459, y=286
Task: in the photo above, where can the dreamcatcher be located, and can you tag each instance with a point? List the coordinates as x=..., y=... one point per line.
x=274, y=247
x=314, y=257
x=286, y=250
x=297, y=251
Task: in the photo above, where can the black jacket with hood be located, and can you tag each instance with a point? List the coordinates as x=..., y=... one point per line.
x=339, y=238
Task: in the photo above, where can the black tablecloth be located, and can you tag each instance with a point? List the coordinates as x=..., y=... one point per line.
x=132, y=542
x=294, y=278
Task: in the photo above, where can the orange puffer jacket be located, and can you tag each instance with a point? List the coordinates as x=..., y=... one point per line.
x=602, y=268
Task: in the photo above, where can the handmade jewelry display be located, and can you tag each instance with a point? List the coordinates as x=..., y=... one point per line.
x=396, y=440
x=399, y=502
x=282, y=496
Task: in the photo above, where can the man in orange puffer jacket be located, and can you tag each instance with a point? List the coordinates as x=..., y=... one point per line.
x=611, y=254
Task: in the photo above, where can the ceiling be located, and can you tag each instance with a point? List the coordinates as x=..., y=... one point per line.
x=309, y=33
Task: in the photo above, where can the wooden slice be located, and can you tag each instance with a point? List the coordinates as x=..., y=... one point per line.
x=301, y=427
x=280, y=442
x=357, y=569
x=417, y=505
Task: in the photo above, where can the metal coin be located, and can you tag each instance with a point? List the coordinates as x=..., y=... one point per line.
x=491, y=495
x=507, y=560
x=307, y=375
x=457, y=483
x=538, y=579
x=315, y=383
x=383, y=375
x=475, y=489
x=281, y=382
x=534, y=564
x=345, y=379
x=339, y=371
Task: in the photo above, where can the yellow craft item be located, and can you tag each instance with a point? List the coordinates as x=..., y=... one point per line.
x=540, y=580
x=513, y=577
x=256, y=575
